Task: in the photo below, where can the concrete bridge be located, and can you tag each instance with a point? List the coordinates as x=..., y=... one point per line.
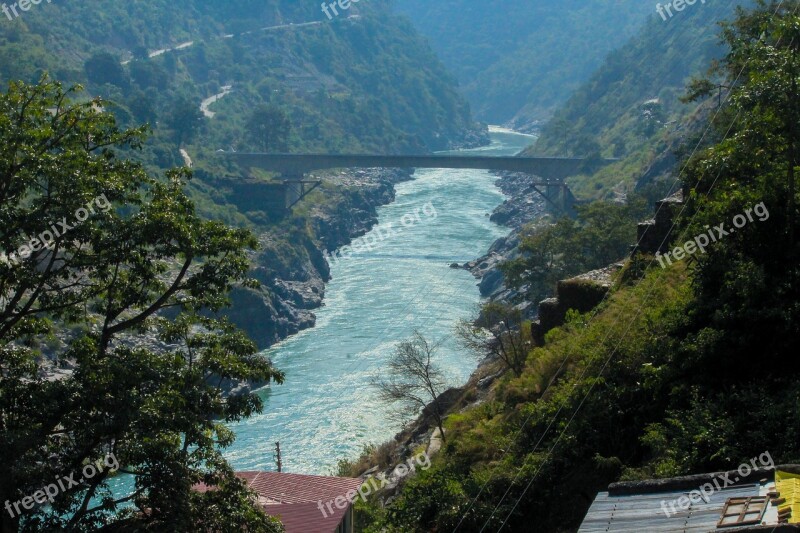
x=551, y=168
x=549, y=172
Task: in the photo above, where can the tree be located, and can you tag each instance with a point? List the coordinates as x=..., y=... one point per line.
x=269, y=128
x=652, y=117
x=141, y=105
x=414, y=381
x=148, y=74
x=746, y=283
x=184, y=119
x=585, y=145
x=500, y=331
x=94, y=251
x=601, y=234
x=104, y=68
x=761, y=71
x=140, y=52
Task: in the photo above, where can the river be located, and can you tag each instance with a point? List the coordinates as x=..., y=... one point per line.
x=326, y=409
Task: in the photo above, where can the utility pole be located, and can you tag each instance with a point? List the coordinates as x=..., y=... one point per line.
x=278, y=455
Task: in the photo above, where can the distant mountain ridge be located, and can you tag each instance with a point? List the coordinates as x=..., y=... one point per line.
x=510, y=56
x=630, y=107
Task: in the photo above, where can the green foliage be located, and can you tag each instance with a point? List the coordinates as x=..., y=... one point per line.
x=683, y=370
x=520, y=59
x=269, y=129
x=501, y=332
x=104, y=68
x=144, y=388
x=750, y=275
x=612, y=106
x=601, y=234
x=369, y=83
x=746, y=305
x=184, y=119
x=502, y=445
x=631, y=107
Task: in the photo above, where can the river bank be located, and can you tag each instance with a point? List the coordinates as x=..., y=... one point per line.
x=522, y=207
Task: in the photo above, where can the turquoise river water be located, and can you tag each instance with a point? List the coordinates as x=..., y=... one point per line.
x=326, y=409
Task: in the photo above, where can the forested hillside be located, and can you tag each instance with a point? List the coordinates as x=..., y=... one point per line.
x=366, y=82
x=631, y=107
x=519, y=59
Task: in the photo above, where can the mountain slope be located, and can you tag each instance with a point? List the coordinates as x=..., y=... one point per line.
x=359, y=83
x=362, y=82
x=630, y=108
x=519, y=59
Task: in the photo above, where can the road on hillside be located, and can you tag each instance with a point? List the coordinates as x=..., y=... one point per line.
x=189, y=44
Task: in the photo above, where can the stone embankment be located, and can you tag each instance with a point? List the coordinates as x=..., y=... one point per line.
x=581, y=293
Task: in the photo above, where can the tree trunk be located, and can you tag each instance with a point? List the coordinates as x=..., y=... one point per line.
x=792, y=147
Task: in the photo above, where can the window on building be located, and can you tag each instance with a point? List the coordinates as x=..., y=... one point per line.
x=745, y=511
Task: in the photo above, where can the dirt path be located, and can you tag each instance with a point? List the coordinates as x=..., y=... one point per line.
x=187, y=44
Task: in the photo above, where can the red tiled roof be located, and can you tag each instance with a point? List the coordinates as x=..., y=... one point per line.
x=295, y=498
x=298, y=488
x=306, y=517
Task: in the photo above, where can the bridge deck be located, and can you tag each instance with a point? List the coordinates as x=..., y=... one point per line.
x=551, y=168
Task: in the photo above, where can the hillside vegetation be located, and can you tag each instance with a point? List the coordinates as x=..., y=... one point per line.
x=680, y=370
x=365, y=83
x=518, y=60
x=631, y=107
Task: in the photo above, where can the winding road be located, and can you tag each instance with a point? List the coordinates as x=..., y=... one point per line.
x=226, y=90
x=189, y=44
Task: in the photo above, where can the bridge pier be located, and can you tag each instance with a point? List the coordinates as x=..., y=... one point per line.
x=558, y=197
x=297, y=188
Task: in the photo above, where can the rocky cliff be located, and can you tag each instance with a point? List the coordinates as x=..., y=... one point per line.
x=291, y=265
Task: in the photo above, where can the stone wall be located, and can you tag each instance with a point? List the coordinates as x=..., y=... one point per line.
x=654, y=235
x=581, y=293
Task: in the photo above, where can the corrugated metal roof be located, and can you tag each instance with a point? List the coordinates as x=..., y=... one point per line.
x=643, y=512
